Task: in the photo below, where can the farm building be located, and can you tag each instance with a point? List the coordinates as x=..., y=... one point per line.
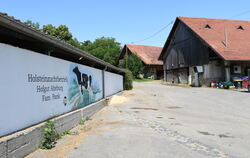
x=149, y=56
x=205, y=50
x=43, y=77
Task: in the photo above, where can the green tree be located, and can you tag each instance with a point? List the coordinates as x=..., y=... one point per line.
x=135, y=64
x=128, y=80
x=74, y=42
x=85, y=43
x=61, y=32
x=104, y=48
x=50, y=29
x=33, y=24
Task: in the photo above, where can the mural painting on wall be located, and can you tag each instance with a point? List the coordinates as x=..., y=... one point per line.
x=83, y=87
x=47, y=87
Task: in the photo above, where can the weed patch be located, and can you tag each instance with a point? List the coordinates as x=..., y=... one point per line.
x=50, y=135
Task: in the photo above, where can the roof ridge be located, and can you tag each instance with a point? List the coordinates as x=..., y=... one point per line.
x=205, y=18
x=142, y=45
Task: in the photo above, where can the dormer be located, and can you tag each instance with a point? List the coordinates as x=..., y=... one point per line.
x=207, y=26
x=240, y=28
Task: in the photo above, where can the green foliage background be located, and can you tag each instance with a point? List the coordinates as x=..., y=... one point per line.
x=103, y=48
x=128, y=80
x=135, y=64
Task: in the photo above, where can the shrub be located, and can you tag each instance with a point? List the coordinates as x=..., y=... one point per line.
x=128, y=80
x=81, y=122
x=50, y=135
x=135, y=64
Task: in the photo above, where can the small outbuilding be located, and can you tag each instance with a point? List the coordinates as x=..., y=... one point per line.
x=149, y=56
x=201, y=50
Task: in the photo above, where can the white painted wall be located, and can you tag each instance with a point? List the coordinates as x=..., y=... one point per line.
x=213, y=71
x=22, y=104
x=113, y=83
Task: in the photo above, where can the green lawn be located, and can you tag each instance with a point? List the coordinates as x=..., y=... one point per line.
x=143, y=80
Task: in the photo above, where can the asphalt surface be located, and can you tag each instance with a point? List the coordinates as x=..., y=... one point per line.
x=160, y=121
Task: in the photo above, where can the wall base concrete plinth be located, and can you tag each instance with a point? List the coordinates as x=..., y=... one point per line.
x=22, y=143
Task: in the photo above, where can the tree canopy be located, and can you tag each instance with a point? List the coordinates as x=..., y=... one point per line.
x=61, y=32
x=135, y=64
x=105, y=48
x=33, y=24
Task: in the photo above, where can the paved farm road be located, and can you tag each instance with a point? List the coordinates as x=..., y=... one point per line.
x=159, y=121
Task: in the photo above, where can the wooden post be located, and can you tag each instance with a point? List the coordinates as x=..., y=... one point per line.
x=227, y=71
x=164, y=73
x=103, y=82
x=126, y=57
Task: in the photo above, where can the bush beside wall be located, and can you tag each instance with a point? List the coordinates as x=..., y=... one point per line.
x=135, y=64
x=128, y=80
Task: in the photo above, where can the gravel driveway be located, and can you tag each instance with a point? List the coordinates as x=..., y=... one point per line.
x=159, y=121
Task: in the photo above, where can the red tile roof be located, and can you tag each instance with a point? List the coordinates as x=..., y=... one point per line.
x=238, y=40
x=148, y=54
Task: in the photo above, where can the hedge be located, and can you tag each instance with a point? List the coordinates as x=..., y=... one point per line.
x=128, y=80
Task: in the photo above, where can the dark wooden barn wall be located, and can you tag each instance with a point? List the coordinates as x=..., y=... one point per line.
x=185, y=50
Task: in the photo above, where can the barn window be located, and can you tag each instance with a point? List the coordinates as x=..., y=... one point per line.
x=207, y=27
x=240, y=28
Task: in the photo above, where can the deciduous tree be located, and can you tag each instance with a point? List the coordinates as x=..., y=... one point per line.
x=135, y=64
x=104, y=48
x=61, y=32
x=33, y=24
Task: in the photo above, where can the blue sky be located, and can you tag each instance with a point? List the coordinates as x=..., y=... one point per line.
x=127, y=20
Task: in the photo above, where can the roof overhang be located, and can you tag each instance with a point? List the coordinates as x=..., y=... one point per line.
x=170, y=37
x=20, y=28
x=168, y=41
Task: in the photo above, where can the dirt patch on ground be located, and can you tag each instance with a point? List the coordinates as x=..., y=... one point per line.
x=115, y=100
x=61, y=150
x=71, y=142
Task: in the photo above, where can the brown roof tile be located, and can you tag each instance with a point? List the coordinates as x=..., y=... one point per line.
x=148, y=54
x=238, y=45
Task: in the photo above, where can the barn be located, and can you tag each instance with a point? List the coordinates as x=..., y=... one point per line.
x=204, y=50
x=149, y=56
